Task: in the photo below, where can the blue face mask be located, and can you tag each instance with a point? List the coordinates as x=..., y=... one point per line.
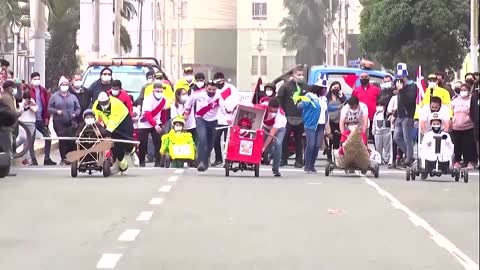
x=14, y=91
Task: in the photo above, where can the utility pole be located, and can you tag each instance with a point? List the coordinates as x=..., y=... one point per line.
x=140, y=27
x=155, y=22
x=329, y=35
x=116, y=28
x=345, y=37
x=474, y=34
x=39, y=37
x=172, y=37
x=339, y=35
x=179, y=45
x=164, y=34
x=96, y=29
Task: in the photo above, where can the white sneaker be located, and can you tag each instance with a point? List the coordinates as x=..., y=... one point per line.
x=136, y=161
x=115, y=168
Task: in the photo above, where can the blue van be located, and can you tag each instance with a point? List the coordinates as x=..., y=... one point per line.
x=349, y=78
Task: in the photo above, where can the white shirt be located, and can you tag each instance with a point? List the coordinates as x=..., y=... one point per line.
x=279, y=119
x=136, y=112
x=363, y=111
x=323, y=110
x=230, y=102
x=28, y=116
x=201, y=100
x=428, y=147
x=189, y=122
x=426, y=115
x=150, y=103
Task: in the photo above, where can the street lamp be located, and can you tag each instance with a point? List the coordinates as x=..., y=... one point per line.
x=259, y=63
x=16, y=27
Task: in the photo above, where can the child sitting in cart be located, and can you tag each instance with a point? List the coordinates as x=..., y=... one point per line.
x=178, y=144
x=436, y=146
x=352, y=125
x=245, y=125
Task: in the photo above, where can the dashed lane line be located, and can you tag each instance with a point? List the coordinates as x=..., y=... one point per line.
x=129, y=235
x=165, y=188
x=440, y=240
x=156, y=201
x=108, y=260
x=145, y=216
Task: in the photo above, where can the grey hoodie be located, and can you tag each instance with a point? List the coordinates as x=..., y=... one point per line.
x=68, y=104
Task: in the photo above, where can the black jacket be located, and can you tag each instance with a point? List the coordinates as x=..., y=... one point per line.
x=84, y=99
x=285, y=96
x=407, y=101
x=96, y=88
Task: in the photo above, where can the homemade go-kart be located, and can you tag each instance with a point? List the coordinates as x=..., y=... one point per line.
x=356, y=157
x=245, y=141
x=435, y=160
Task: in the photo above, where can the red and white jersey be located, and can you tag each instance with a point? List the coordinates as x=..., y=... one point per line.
x=231, y=99
x=151, y=112
x=275, y=120
x=208, y=108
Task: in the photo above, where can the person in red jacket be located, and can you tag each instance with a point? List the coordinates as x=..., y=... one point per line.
x=367, y=93
x=118, y=92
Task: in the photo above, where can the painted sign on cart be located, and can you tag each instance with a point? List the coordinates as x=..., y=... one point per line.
x=246, y=148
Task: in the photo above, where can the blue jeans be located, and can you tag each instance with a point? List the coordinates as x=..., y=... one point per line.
x=275, y=148
x=402, y=136
x=314, y=142
x=206, y=132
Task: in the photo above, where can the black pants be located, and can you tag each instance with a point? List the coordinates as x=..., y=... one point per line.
x=143, y=138
x=334, y=143
x=124, y=131
x=218, y=142
x=464, y=145
x=298, y=138
x=42, y=128
x=64, y=146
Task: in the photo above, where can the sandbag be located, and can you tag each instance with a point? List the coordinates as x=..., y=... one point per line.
x=355, y=152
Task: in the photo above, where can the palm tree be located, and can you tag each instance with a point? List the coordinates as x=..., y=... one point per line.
x=12, y=11
x=129, y=12
x=304, y=29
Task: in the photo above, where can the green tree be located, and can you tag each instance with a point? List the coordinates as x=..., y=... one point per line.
x=303, y=29
x=430, y=33
x=12, y=11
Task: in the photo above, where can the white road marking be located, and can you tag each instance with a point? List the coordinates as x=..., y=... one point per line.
x=178, y=171
x=442, y=241
x=172, y=178
x=145, y=216
x=129, y=235
x=165, y=189
x=108, y=260
x=314, y=183
x=156, y=201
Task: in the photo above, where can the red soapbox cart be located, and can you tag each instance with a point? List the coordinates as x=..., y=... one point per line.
x=245, y=141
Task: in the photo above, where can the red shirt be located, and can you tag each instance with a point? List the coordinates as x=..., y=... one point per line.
x=368, y=96
x=344, y=138
x=125, y=98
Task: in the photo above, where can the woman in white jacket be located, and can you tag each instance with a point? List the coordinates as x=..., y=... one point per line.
x=28, y=108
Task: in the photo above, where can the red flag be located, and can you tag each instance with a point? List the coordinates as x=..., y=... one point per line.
x=421, y=85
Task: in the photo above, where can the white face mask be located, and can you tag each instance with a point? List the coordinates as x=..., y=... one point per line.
x=189, y=78
x=115, y=92
x=157, y=81
x=158, y=95
x=64, y=88
x=386, y=85
x=106, y=78
x=200, y=84
x=272, y=115
x=105, y=107
x=352, y=127
x=89, y=121
x=14, y=91
x=269, y=93
x=354, y=111
x=149, y=81
x=379, y=108
x=464, y=94
x=183, y=99
x=432, y=84
x=178, y=128
x=299, y=78
x=36, y=82
x=77, y=84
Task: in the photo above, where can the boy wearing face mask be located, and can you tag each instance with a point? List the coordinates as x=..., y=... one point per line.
x=431, y=151
x=270, y=92
x=434, y=90
x=64, y=107
x=151, y=123
x=199, y=83
x=82, y=94
x=41, y=97
x=188, y=80
x=381, y=131
x=118, y=92
x=463, y=129
x=103, y=84
x=178, y=144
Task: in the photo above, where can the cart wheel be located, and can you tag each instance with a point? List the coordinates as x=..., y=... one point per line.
x=257, y=170
x=227, y=168
x=457, y=175
x=5, y=162
x=465, y=176
x=74, y=169
x=106, y=168
x=408, y=173
x=327, y=169
x=376, y=171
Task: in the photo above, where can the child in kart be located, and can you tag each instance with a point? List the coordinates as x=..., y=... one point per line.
x=436, y=146
x=178, y=144
x=245, y=125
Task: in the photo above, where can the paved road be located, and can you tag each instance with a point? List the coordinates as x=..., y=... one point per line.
x=180, y=219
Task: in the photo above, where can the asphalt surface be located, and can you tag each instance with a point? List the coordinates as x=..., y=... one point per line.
x=181, y=219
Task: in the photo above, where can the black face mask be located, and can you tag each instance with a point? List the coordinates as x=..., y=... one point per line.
x=211, y=94
x=364, y=82
x=220, y=85
x=436, y=129
x=470, y=81
x=457, y=90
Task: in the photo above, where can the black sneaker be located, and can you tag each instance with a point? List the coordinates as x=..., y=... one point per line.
x=201, y=167
x=49, y=162
x=142, y=164
x=34, y=162
x=216, y=163
x=277, y=174
x=298, y=165
x=157, y=164
x=313, y=170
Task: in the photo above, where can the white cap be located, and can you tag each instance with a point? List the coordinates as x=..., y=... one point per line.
x=103, y=97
